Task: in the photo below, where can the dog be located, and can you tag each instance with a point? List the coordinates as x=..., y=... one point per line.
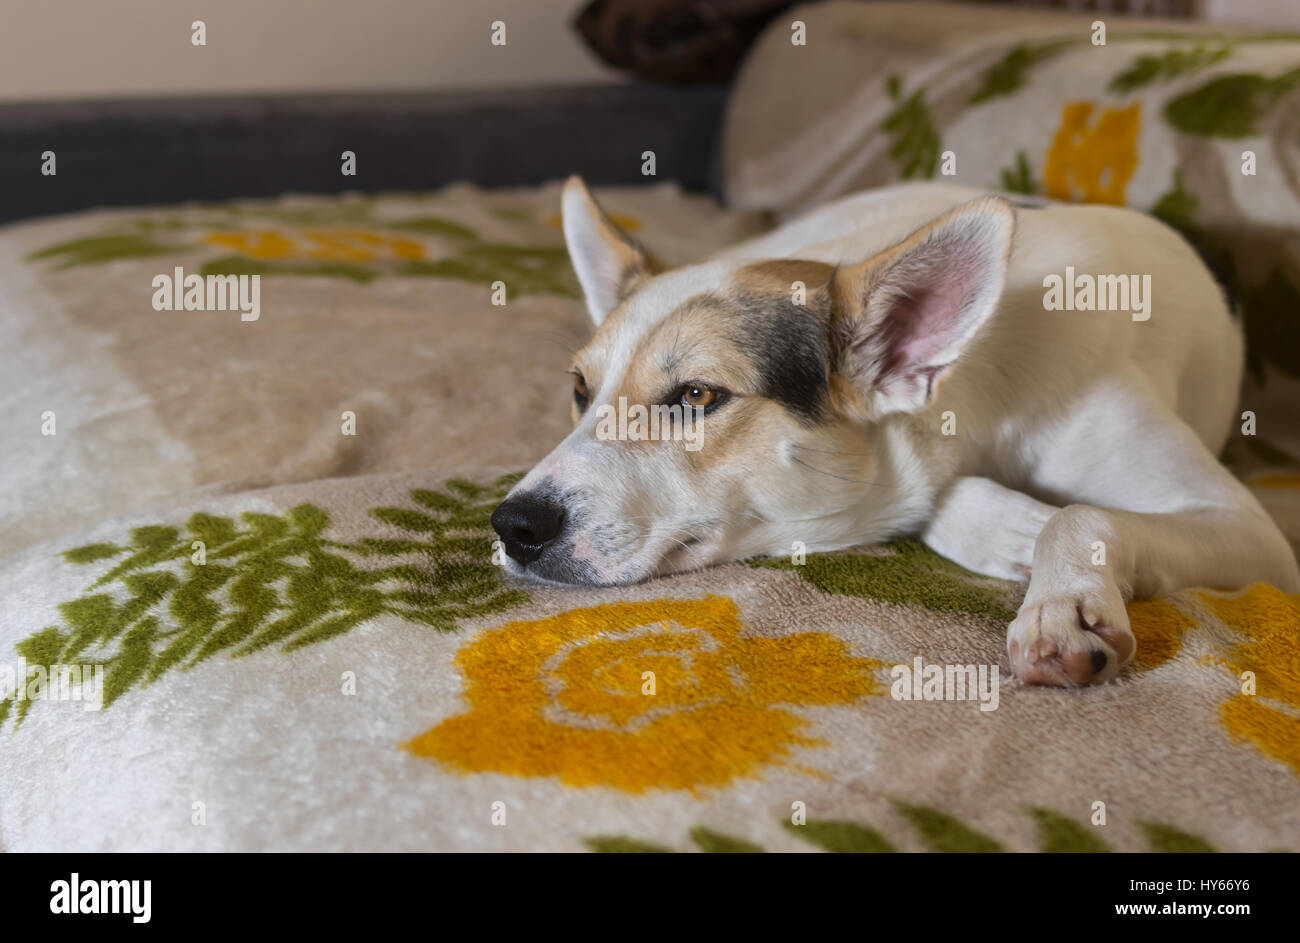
x=891, y=365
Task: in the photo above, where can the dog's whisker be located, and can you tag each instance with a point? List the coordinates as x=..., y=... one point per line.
x=806, y=448
x=570, y=344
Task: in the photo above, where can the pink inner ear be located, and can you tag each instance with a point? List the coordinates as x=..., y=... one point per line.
x=924, y=300
x=926, y=318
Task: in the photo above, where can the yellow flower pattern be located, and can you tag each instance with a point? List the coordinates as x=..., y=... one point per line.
x=331, y=245
x=621, y=220
x=668, y=694
x=1276, y=481
x=1159, y=626
x=1093, y=162
x=1267, y=622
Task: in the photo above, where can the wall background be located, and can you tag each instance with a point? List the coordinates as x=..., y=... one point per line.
x=52, y=49
x=60, y=49
x=1282, y=14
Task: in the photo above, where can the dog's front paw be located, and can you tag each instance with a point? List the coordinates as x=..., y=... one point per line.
x=1071, y=638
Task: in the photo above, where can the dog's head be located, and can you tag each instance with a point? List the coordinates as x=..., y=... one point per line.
x=728, y=409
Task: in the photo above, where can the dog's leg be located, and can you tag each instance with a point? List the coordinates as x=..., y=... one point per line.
x=1169, y=516
x=987, y=528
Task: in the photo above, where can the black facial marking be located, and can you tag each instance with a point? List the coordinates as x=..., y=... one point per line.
x=581, y=393
x=788, y=344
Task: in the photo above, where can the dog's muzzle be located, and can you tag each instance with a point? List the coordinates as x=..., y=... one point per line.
x=526, y=523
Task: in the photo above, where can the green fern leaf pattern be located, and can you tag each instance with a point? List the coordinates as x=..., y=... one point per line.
x=176, y=596
x=937, y=830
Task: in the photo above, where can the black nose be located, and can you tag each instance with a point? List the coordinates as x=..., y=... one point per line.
x=527, y=523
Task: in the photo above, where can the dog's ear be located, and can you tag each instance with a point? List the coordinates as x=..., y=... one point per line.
x=904, y=316
x=609, y=264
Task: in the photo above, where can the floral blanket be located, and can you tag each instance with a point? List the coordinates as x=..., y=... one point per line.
x=251, y=600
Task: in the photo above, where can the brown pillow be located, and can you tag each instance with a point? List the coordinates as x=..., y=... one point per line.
x=681, y=41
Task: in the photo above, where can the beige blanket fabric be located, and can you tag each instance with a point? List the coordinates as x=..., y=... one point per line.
x=296, y=637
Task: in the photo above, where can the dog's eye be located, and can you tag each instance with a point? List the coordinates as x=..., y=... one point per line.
x=580, y=390
x=699, y=396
